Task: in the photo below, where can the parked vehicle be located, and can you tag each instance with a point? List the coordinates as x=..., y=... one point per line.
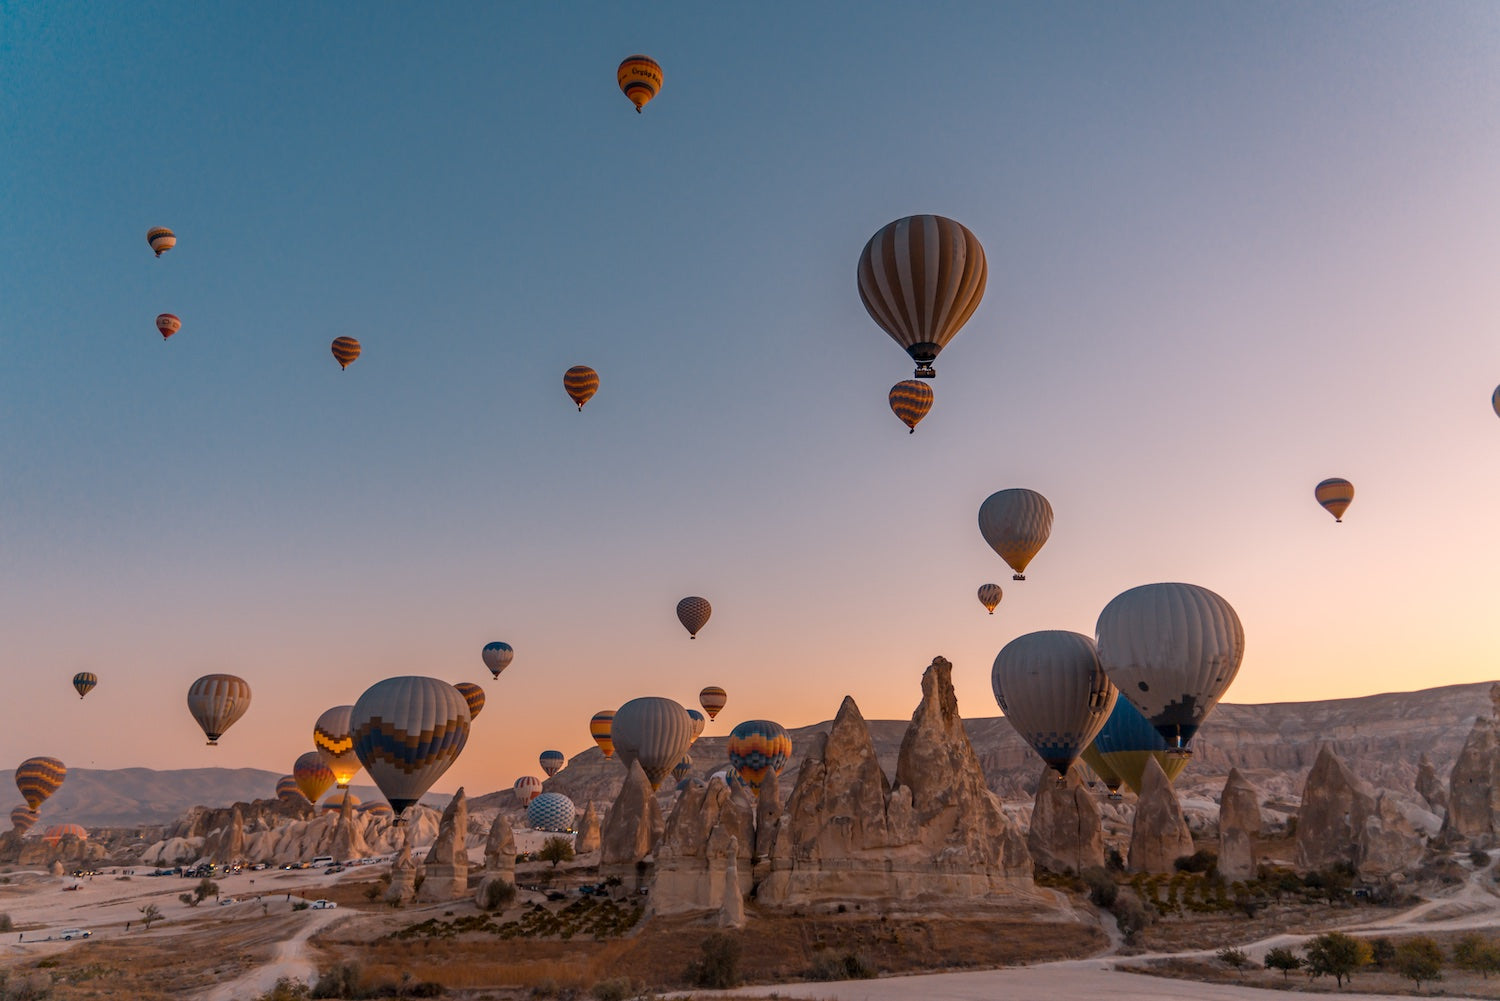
x=323, y=905
x=69, y=934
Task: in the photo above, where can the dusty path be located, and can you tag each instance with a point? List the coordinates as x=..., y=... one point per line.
x=289, y=960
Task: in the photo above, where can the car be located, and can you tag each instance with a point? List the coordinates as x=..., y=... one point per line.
x=323, y=905
x=257, y=867
x=69, y=934
x=226, y=900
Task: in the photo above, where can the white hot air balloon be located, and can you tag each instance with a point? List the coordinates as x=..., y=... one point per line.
x=1172, y=650
x=1050, y=686
x=407, y=731
x=1016, y=524
x=654, y=731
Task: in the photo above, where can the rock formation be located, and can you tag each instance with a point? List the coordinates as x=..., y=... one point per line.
x=694, y=850
x=1159, y=836
x=631, y=828
x=499, y=857
x=1335, y=804
x=348, y=835
x=403, y=877
x=1065, y=834
x=732, y=910
x=1430, y=787
x=767, y=816
x=226, y=844
x=447, y=864
x=1474, y=785
x=1239, y=825
x=937, y=833
x=588, y=830
x=1388, y=843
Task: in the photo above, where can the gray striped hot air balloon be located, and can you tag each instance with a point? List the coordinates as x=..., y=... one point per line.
x=216, y=702
x=693, y=613
x=1016, y=524
x=407, y=732
x=1050, y=686
x=654, y=731
x=1172, y=650
x=990, y=595
x=921, y=278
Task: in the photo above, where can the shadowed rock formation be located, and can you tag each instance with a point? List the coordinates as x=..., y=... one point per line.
x=446, y=870
x=631, y=828
x=588, y=830
x=695, y=850
x=1239, y=825
x=1159, y=836
x=1474, y=785
x=1066, y=834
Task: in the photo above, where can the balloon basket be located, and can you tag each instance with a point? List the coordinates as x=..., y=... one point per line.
x=1016, y=576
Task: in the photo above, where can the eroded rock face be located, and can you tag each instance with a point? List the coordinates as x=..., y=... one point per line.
x=1335, y=805
x=403, y=877
x=767, y=816
x=499, y=857
x=1159, y=836
x=447, y=865
x=847, y=833
x=1430, y=787
x=1474, y=785
x=1388, y=843
x=1066, y=833
x=588, y=830
x=706, y=826
x=631, y=827
x=1239, y=825
x=732, y=910
x=348, y=834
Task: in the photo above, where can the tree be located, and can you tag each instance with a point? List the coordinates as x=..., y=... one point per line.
x=150, y=914
x=1477, y=954
x=1233, y=958
x=1336, y=955
x=1418, y=959
x=556, y=850
x=205, y=888
x=1283, y=958
x=190, y=899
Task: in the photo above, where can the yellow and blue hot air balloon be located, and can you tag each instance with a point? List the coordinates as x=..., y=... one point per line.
x=551, y=761
x=758, y=748
x=1123, y=746
x=1335, y=494
x=407, y=732
x=639, y=78
x=683, y=768
x=699, y=722
x=38, y=778
x=313, y=776
x=601, y=728
x=84, y=682
x=581, y=383
x=473, y=695
x=910, y=400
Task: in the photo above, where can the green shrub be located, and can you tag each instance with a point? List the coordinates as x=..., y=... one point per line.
x=340, y=981
x=1233, y=958
x=1102, y=887
x=300, y=905
x=719, y=966
x=1283, y=958
x=849, y=966
x=498, y=895
x=1201, y=860
x=614, y=989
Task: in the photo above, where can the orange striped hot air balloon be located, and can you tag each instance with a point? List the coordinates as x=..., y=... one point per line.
x=473, y=695
x=345, y=350
x=287, y=789
x=601, y=728
x=23, y=819
x=161, y=239
x=1335, y=495
x=38, y=778
x=911, y=399
x=168, y=324
x=640, y=78
x=313, y=775
x=582, y=383
x=712, y=699
x=693, y=613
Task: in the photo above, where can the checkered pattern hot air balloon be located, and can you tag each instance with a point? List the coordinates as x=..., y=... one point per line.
x=757, y=748
x=551, y=811
x=38, y=778
x=693, y=613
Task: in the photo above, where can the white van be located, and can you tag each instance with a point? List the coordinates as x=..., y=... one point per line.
x=322, y=860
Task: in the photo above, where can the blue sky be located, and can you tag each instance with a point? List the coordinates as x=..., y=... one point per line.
x=1233, y=249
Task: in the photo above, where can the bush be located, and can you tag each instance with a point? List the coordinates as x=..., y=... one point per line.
x=556, y=850
x=1113, y=860
x=1102, y=887
x=1283, y=958
x=614, y=989
x=1233, y=958
x=498, y=895
x=341, y=981
x=1131, y=915
x=719, y=967
x=189, y=899
x=1479, y=858
x=286, y=989
x=300, y=905
x=5, y=923
x=849, y=966
x=206, y=888
x=1201, y=860
x=1418, y=959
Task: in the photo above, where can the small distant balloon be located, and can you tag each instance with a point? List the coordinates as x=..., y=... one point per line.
x=990, y=595
x=287, y=789
x=161, y=239
x=911, y=399
x=345, y=350
x=216, y=702
x=683, y=768
x=23, y=819
x=473, y=695
x=528, y=788
x=699, y=722
x=581, y=383
x=168, y=324
x=84, y=682
x=313, y=776
x=497, y=656
x=551, y=762
x=1016, y=524
x=640, y=79
x=712, y=699
x=1335, y=495
x=601, y=728
x=693, y=613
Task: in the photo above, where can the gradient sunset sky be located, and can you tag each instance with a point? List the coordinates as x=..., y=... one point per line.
x=1234, y=249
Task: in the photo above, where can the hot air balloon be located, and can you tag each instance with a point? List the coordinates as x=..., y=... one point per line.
x=216, y=701
x=551, y=761
x=57, y=832
x=161, y=239
x=345, y=350
x=288, y=790
x=699, y=722
x=1016, y=524
x=693, y=613
x=168, y=324
x=377, y=810
x=1335, y=495
x=1495, y=401
x=407, y=731
x=683, y=768
x=497, y=656
x=84, y=682
x=551, y=811
x=910, y=400
x=654, y=731
x=1120, y=752
x=921, y=278
x=581, y=383
x=313, y=775
x=23, y=819
x=334, y=801
x=1050, y=686
x=758, y=747
x=640, y=79
x=1172, y=650
x=333, y=740
x=601, y=728
x=528, y=788
x=38, y=778
x=473, y=695
x=712, y=699
x=990, y=595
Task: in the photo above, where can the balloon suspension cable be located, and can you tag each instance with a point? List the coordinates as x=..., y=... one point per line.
x=638, y=109
x=912, y=431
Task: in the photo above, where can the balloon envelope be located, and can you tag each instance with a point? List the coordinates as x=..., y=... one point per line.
x=84, y=682
x=1016, y=524
x=473, y=695
x=683, y=768
x=497, y=656
x=757, y=748
x=1127, y=741
x=23, y=819
x=528, y=788
x=921, y=278
x=335, y=743
x=407, y=732
x=168, y=324
x=1050, y=686
x=345, y=350
x=699, y=722
x=601, y=728
x=551, y=761
x=712, y=699
x=580, y=383
x=911, y=400
x=654, y=731
x=1172, y=650
x=161, y=239
x=639, y=78
x=38, y=778
x=551, y=811
x=216, y=702
x=288, y=790
x=1335, y=495
x=693, y=613
x=990, y=595
x=313, y=775
x=57, y=832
